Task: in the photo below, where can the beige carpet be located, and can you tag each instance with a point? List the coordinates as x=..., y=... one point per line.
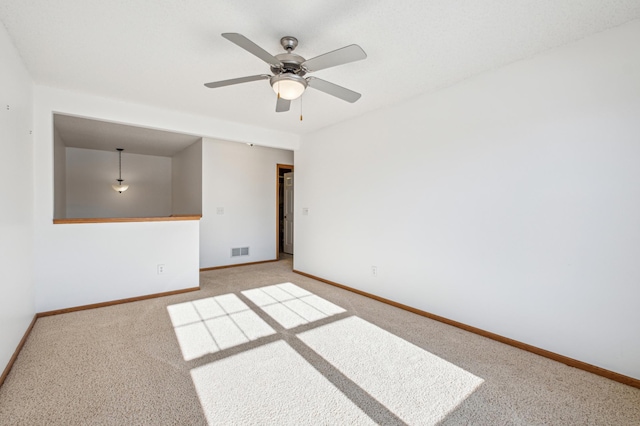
x=262, y=345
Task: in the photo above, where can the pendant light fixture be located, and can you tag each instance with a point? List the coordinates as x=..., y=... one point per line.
x=120, y=187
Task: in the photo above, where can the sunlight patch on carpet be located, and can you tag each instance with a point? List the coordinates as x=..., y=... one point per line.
x=209, y=325
x=416, y=385
x=271, y=384
x=280, y=385
x=291, y=305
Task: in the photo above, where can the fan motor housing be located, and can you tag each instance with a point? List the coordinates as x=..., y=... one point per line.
x=291, y=63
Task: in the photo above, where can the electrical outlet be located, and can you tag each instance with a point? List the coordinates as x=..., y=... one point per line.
x=305, y=211
x=374, y=271
x=220, y=210
x=160, y=268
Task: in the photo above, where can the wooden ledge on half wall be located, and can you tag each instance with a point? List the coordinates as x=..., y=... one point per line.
x=173, y=217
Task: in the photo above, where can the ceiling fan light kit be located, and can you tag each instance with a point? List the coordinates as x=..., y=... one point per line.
x=289, y=69
x=288, y=86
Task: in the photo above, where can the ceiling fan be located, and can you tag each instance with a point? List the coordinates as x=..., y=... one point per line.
x=289, y=70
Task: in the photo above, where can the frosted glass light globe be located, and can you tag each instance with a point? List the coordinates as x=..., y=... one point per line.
x=289, y=86
x=120, y=188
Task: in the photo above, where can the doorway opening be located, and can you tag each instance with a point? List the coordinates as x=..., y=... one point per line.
x=284, y=213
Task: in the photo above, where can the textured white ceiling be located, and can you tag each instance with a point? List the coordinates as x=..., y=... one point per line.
x=161, y=52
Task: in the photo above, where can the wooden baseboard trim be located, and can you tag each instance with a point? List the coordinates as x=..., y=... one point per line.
x=213, y=268
x=7, y=369
x=115, y=302
x=520, y=345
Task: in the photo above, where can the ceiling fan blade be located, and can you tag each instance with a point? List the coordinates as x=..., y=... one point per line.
x=345, y=55
x=237, y=81
x=283, y=105
x=333, y=89
x=253, y=48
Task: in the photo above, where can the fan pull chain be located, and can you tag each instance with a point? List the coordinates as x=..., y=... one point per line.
x=300, y=108
x=278, y=89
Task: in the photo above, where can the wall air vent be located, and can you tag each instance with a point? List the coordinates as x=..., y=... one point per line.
x=240, y=251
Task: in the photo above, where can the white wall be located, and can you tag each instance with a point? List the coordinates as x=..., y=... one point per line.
x=508, y=202
x=82, y=264
x=90, y=174
x=241, y=179
x=92, y=263
x=16, y=204
x=186, y=180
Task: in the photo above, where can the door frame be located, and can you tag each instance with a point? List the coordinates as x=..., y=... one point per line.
x=279, y=167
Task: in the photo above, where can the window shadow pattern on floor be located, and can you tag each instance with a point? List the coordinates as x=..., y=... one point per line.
x=284, y=355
